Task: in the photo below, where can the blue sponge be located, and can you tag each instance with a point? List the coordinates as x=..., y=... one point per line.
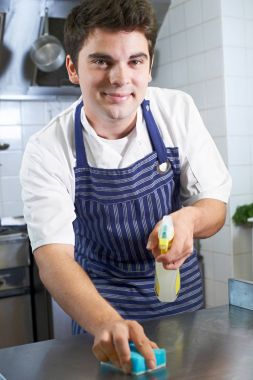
x=138, y=363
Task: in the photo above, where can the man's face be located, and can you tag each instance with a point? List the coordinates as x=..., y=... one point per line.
x=113, y=73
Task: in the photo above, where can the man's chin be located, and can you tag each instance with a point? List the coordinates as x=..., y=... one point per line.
x=119, y=112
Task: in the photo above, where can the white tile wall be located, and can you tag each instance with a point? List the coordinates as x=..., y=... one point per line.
x=209, y=293
x=10, y=189
x=239, y=120
x=232, y=8
x=214, y=66
x=222, y=267
x=196, y=68
x=243, y=266
x=216, y=42
x=249, y=33
x=27, y=132
x=212, y=32
x=241, y=240
x=216, y=121
x=208, y=257
x=193, y=13
x=12, y=135
x=236, y=91
x=164, y=30
x=164, y=75
x=219, y=243
x=238, y=156
x=178, y=46
x=10, y=113
x=211, y=9
x=221, y=143
x=10, y=162
x=195, y=40
x=249, y=90
x=220, y=293
x=180, y=73
x=248, y=9
x=235, y=61
x=176, y=19
x=164, y=55
x=241, y=179
x=18, y=121
x=233, y=30
x=33, y=113
x=198, y=92
x=216, y=293
x=13, y=208
x=215, y=92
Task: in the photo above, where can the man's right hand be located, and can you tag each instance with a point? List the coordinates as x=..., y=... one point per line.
x=112, y=344
x=70, y=286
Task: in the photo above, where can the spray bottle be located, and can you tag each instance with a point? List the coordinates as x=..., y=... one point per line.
x=167, y=281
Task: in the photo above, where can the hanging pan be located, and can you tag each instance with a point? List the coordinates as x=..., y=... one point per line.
x=47, y=51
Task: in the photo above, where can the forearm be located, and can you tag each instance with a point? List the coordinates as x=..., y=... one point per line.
x=207, y=215
x=200, y=220
x=72, y=288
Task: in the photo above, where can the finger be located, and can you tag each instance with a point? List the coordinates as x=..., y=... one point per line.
x=153, y=344
x=175, y=265
x=173, y=257
x=123, y=352
x=99, y=354
x=105, y=351
x=143, y=344
x=156, y=252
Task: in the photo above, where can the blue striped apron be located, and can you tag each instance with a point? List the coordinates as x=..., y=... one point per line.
x=116, y=211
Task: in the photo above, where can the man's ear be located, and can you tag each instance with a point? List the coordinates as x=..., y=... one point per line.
x=72, y=73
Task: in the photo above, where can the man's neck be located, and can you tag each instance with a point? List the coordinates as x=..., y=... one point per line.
x=113, y=130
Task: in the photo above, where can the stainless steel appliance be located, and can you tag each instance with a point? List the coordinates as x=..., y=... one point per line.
x=27, y=311
x=16, y=321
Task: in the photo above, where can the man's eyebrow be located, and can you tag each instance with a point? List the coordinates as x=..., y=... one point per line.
x=100, y=56
x=109, y=57
x=139, y=55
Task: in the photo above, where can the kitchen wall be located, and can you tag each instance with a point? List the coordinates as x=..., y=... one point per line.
x=19, y=119
x=205, y=48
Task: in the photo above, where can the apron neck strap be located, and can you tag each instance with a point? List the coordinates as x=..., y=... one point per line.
x=81, y=160
x=155, y=136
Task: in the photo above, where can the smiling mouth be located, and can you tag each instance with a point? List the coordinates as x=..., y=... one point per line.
x=118, y=97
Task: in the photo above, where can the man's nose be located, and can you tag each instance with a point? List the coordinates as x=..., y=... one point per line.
x=119, y=75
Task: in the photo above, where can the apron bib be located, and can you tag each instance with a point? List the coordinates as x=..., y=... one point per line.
x=116, y=211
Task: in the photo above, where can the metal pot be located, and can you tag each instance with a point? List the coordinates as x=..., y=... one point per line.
x=47, y=51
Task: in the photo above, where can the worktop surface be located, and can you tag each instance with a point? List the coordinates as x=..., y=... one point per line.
x=210, y=344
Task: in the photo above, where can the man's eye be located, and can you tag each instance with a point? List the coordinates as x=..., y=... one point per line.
x=136, y=62
x=101, y=62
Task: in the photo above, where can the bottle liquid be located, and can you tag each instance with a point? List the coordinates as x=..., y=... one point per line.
x=167, y=281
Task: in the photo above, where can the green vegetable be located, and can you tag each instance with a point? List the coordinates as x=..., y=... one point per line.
x=242, y=213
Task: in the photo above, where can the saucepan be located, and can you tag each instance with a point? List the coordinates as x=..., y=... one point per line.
x=47, y=51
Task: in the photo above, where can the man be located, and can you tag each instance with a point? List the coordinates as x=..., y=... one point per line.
x=99, y=178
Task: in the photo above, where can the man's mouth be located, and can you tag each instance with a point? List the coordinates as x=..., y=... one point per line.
x=117, y=97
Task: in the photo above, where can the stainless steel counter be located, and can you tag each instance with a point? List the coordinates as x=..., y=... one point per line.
x=212, y=344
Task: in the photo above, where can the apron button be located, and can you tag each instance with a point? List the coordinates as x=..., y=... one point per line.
x=164, y=167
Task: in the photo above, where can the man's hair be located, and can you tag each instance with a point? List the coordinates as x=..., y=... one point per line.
x=116, y=15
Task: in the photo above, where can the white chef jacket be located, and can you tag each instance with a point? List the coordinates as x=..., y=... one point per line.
x=47, y=175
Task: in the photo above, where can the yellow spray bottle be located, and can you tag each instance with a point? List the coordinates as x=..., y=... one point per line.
x=167, y=281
